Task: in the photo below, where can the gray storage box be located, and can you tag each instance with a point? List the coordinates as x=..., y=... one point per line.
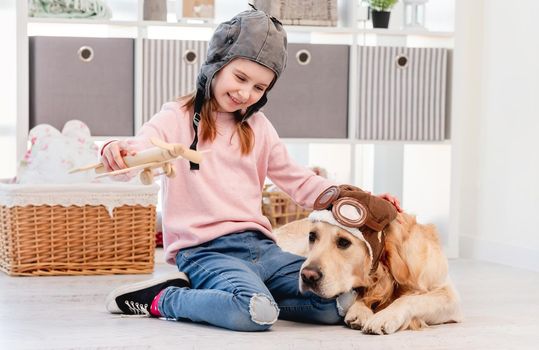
x=310, y=100
x=170, y=69
x=403, y=93
x=89, y=79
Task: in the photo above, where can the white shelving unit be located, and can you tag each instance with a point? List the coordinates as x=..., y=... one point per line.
x=388, y=165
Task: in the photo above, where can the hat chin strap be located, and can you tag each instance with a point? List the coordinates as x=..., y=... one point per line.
x=255, y=107
x=199, y=100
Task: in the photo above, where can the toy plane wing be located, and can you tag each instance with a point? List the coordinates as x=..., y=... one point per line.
x=84, y=168
x=142, y=166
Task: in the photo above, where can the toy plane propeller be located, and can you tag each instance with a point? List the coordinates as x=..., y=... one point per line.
x=160, y=156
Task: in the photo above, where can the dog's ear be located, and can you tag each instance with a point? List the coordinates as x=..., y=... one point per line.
x=302, y=226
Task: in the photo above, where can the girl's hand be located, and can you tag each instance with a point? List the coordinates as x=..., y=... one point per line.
x=113, y=154
x=393, y=200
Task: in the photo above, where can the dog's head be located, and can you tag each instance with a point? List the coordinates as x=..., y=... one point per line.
x=346, y=241
x=336, y=263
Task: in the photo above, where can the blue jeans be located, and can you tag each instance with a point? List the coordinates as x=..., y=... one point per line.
x=243, y=281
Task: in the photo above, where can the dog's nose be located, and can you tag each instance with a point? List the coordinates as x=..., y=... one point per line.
x=311, y=275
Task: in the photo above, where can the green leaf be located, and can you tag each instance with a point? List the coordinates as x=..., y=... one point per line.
x=381, y=5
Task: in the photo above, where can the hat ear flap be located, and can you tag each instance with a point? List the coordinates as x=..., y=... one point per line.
x=252, y=109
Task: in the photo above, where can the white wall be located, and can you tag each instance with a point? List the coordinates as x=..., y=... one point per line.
x=426, y=186
x=496, y=166
x=8, y=88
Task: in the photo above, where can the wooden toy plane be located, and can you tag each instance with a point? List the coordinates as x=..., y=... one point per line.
x=160, y=156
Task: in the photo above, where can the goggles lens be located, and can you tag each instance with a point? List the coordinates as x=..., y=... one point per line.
x=327, y=197
x=349, y=212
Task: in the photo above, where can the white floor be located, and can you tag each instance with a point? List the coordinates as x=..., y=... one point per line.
x=501, y=306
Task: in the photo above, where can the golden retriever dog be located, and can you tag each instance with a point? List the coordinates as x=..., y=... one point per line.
x=409, y=288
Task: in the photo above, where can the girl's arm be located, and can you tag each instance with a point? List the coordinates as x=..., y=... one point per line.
x=159, y=126
x=300, y=183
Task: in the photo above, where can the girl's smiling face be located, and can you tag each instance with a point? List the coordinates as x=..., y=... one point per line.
x=240, y=84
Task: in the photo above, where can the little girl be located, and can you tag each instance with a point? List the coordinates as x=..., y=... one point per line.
x=214, y=230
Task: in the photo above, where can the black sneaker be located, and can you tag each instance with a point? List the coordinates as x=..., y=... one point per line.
x=136, y=299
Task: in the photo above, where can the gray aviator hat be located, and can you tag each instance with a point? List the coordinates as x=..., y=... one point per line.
x=252, y=35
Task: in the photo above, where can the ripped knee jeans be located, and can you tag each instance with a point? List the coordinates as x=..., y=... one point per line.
x=244, y=282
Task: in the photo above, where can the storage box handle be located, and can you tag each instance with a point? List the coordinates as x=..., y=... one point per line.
x=401, y=61
x=190, y=57
x=86, y=53
x=303, y=57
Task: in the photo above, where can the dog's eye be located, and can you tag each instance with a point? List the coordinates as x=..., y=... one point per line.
x=343, y=243
x=312, y=237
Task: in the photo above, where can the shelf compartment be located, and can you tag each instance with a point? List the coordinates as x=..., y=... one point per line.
x=402, y=93
x=299, y=110
x=169, y=70
x=89, y=79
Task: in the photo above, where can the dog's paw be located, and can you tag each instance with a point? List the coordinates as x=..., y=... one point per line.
x=384, y=322
x=357, y=316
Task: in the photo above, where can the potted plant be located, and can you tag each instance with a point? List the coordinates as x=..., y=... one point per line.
x=380, y=12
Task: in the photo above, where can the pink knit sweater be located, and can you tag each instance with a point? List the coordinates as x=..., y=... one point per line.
x=225, y=195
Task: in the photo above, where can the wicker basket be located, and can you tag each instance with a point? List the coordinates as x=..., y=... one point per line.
x=39, y=240
x=280, y=209
x=301, y=12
